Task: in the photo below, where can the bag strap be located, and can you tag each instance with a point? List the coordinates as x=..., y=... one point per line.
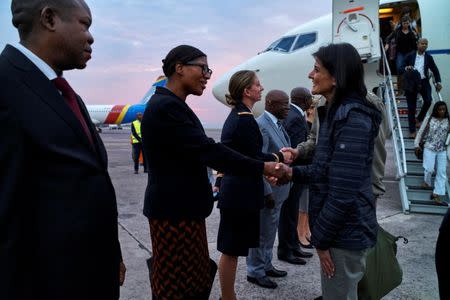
x=425, y=131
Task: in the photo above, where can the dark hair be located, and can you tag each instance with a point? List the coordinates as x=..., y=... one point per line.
x=25, y=13
x=436, y=107
x=180, y=54
x=405, y=19
x=406, y=10
x=343, y=62
x=239, y=81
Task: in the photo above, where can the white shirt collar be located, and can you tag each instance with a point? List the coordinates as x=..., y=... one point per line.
x=272, y=117
x=39, y=63
x=298, y=108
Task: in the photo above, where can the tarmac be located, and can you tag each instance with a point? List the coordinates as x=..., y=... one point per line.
x=303, y=282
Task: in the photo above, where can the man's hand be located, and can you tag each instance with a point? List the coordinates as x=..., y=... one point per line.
x=438, y=87
x=292, y=151
x=326, y=263
x=122, y=271
x=287, y=157
x=286, y=174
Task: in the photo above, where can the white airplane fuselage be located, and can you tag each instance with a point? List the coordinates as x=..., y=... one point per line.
x=287, y=70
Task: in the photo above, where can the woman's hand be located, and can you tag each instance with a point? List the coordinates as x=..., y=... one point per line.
x=416, y=150
x=326, y=263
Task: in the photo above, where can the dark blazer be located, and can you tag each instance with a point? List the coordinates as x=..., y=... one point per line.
x=298, y=131
x=58, y=213
x=178, y=153
x=428, y=64
x=240, y=132
x=296, y=126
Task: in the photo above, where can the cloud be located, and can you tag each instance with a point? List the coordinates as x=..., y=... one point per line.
x=281, y=21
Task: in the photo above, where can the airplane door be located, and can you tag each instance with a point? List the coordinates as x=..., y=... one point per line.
x=356, y=22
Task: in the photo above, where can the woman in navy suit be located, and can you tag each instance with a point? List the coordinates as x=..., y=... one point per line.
x=241, y=195
x=178, y=196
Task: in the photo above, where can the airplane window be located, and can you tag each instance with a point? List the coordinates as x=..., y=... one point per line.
x=305, y=40
x=284, y=44
x=272, y=46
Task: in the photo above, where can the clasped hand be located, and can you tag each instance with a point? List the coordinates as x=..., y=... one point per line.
x=277, y=173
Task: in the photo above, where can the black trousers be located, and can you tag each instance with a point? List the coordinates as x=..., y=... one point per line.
x=443, y=258
x=411, y=99
x=287, y=227
x=137, y=149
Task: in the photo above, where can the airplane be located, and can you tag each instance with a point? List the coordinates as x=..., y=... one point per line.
x=285, y=64
x=117, y=114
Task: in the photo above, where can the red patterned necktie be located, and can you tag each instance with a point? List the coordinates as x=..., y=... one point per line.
x=71, y=99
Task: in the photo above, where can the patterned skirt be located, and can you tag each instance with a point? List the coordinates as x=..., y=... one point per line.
x=180, y=266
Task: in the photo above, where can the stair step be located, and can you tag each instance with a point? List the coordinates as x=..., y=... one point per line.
x=415, y=182
x=415, y=168
x=429, y=209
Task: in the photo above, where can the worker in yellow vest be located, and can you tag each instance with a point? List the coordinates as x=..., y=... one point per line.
x=136, y=142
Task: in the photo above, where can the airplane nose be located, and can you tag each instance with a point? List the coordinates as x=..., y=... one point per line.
x=220, y=88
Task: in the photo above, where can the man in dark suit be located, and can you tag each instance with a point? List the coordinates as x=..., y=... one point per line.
x=423, y=62
x=297, y=129
x=58, y=212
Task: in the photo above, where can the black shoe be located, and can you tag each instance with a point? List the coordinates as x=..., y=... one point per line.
x=276, y=273
x=318, y=298
x=302, y=254
x=264, y=282
x=136, y=172
x=291, y=259
x=309, y=246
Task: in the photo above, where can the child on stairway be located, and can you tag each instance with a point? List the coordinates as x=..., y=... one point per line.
x=432, y=136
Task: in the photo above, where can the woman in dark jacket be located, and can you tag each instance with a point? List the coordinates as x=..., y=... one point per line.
x=178, y=196
x=342, y=209
x=241, y=196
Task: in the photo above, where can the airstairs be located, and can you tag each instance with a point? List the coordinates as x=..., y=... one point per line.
x=414, y=198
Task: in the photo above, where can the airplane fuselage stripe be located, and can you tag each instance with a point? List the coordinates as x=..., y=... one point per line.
x=114, y=114
x=438, y=51
x=122, y=114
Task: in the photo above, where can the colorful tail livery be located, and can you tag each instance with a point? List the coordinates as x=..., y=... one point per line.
x=122, y=113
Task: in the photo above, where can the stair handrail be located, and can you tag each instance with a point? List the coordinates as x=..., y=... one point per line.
x=396, y=127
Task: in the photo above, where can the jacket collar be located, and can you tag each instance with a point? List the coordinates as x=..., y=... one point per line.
x=32, y=77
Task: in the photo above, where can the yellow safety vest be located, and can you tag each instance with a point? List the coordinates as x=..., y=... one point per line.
x=137, y=127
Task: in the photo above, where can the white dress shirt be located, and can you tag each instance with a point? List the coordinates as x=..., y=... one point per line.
x=38, y=62
x=419, y=65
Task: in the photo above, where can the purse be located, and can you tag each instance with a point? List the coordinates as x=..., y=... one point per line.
x=383, y=272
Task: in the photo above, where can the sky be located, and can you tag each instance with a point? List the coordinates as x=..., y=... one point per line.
x=133, y=36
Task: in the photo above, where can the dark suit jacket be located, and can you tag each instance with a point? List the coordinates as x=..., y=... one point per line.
x=428, y=64
x=58, y=214
x=240, y=132
x=178, y=153
x=296, y=126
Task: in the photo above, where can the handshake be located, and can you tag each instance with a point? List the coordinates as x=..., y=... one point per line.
x=277, y=173
x=280, y=173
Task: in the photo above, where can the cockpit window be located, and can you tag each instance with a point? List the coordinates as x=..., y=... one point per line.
x=285, y=44
x=272, y=45
x=305, y=40
x=282, y=45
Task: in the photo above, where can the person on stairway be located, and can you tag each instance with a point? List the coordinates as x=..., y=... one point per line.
x=433, y=136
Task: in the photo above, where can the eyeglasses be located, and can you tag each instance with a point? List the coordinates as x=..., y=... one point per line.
x=205, y=69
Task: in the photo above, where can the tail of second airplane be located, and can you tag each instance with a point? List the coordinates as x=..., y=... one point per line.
x=160, y=81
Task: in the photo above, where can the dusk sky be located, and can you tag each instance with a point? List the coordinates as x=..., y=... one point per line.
x=132, y=36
